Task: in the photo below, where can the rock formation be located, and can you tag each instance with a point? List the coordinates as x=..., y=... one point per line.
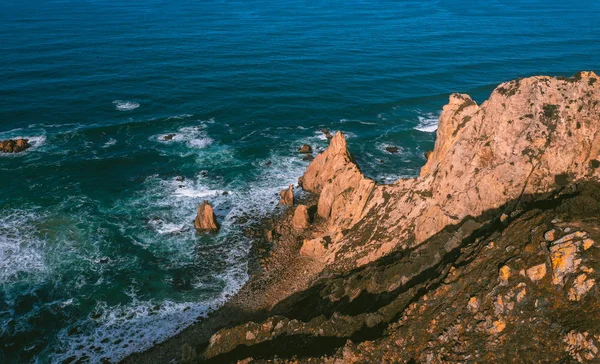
x=306, y=149
x=490, y=255
x=287, y=196
x=206, y=219
x=532, y=135
x=301, y=220
x=392, y=149
x=327, y=134
x=14, y=145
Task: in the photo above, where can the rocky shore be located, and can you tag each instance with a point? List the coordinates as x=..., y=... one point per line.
x=490, y=255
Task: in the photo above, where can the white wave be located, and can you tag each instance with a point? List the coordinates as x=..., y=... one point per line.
x=428, y=123
x=357, y=121
x=162, y=227
x=109, y=143
x=193, y=136
x=178, y=117
x=125, y=105
x=21, y=250
x=122, y=330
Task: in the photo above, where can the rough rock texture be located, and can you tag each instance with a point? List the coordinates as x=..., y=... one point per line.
x=532, y=135
x=206, y=219
x=490, y=255
x=305, y=149
x=446, y=301
x=14, y=145
x=301, y=219
x=287, y=196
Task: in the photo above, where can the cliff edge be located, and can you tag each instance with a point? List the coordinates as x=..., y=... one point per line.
x=491, y=254
x=531, y=136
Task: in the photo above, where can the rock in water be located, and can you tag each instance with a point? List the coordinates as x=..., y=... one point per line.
x=306, y=149
x=327, y=134
x=206, y=219
x=392, y=149
x=301, y=219
x=14, y=145
x=287, y=196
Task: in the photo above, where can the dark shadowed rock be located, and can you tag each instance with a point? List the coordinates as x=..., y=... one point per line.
x=306, y=149
x=328, y=135
x=392, y=149
x=14, y=145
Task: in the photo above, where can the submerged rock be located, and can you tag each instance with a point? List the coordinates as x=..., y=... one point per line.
x=327, y=134
x=287, y=196
x=392, y=149
x=306, y=149
x=14, y=145
x=206, y=219
x=169, y=137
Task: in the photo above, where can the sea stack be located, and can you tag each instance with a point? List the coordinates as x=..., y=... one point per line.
x=287, y=196
x=206, y=219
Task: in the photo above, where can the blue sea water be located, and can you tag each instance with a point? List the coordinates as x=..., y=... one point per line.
x=98, y=255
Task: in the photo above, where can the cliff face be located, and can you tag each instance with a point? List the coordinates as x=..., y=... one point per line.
x=483, y=291
x=490, y=255
x=532, y=135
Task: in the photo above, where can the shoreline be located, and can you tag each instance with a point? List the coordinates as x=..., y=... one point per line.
x=275, y=274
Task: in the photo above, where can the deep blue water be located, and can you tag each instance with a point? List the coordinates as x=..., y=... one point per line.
x=98, y=257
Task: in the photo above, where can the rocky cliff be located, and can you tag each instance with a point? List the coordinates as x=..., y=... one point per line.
x=490, y=255
x=532, y=135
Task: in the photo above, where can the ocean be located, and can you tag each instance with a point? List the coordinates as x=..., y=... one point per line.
x=98, y=254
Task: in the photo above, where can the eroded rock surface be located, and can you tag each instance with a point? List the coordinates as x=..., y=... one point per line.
x=532, y=136
x=206, y=219
x=14, y=145
x=301, y=220
x=490, y=255
x=448, y=303
x=287, y=196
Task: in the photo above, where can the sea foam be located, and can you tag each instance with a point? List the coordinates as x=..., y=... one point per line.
x=125, y=105
x=428, y=123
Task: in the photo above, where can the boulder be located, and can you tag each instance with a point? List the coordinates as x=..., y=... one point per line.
x=392, y=149
x=14, y=145
x=306, y=149
x=327, y=134
x=300, y=220
x=206, y=219
x=169, y=137
x=315, y=249
x=287, y=196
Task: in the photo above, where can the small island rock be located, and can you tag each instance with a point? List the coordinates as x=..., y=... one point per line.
x=206, y=219
x=306, y=149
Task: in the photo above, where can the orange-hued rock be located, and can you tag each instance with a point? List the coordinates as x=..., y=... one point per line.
x=206, y=219
x=287, y=196
x=14, y=145
x=300, y=221
x=531, y=136
x=314, y=248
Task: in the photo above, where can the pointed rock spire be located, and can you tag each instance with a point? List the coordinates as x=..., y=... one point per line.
x=206, y=219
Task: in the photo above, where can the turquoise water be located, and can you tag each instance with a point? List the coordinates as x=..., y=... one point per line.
x=98, y=255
